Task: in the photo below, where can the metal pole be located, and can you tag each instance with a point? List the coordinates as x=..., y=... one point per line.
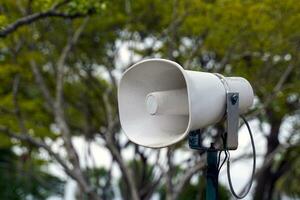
x=212, y=176
x=212, y=172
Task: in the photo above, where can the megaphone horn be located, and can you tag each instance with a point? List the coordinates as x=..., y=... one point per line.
x=160, y=102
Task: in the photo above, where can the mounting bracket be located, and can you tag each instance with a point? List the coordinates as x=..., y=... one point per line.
x=232, y=124
x=232, y=120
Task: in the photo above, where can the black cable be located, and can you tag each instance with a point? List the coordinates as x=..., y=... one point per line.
x=253, y=169
x=220, y=153
x=219, y=158
x=226, y=156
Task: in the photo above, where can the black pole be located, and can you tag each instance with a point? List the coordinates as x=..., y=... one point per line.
x=212, y=173
x=212, y=176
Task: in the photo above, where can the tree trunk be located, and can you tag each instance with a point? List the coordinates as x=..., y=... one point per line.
x=267, y=178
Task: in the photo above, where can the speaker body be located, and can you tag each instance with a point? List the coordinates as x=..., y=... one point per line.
x=160, y=102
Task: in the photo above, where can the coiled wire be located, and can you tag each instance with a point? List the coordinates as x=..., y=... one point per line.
x=227, y=157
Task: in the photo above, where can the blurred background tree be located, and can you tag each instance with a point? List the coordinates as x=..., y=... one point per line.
x=21, y=176
x=60, y=61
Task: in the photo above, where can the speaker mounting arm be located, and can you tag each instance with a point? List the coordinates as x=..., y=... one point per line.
x=232, y=120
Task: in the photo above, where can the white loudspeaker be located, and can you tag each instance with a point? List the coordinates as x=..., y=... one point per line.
x=160, y=102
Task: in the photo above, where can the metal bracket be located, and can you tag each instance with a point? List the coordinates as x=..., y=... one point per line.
x=230, y=141
x=232, y=120
x=194, y=140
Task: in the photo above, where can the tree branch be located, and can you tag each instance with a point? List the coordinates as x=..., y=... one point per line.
x=274, y=92
x=42, y=85
x=193, y=53
x=127, y=172
x=17, y=110
x=38, y=16
x=39, y=144
x=268, y=161
x=60, y=117
x=186, y=177
x=58, y=107
x=169, y=174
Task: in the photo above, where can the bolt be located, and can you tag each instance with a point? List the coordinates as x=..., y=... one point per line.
x=234, y=99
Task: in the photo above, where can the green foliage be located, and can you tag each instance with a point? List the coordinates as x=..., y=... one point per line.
x=101, y=180
x=29, y=102
x=289, y=184
x=85, y=6
x=22, y=177
x=3, y=20
x=258, y=40
x=143, y=177
x=196, y=191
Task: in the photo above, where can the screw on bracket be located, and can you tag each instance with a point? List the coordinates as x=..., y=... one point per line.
x=234, y=99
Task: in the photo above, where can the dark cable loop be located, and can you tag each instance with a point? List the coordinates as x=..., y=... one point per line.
x=226, y=156
x=241, y=196
x=219, y=158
